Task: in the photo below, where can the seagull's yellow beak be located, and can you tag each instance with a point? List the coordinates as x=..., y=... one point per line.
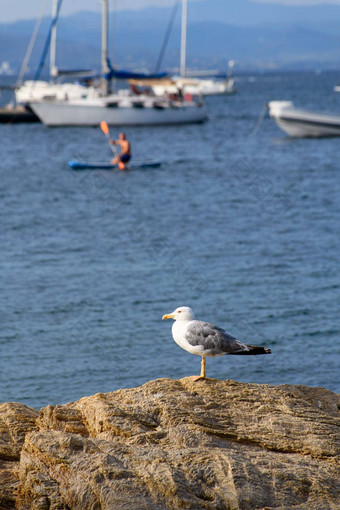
x=168, y=316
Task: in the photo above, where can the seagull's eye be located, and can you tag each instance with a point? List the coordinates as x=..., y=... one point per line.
x=179, y=311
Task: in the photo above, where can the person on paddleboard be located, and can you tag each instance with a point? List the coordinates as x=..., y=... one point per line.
x=125, y=151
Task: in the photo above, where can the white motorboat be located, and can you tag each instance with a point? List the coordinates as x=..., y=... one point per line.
x=119, y=110
x=303, y=123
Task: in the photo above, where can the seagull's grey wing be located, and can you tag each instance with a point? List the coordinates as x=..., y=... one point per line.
x=214, y=340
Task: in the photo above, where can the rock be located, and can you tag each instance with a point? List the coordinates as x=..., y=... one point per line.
x=15, y=421
x=185, y=445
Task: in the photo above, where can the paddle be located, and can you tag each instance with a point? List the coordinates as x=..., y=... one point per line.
x=105, y=128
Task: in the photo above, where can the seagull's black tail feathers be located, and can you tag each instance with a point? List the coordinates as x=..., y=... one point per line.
x=253, y=350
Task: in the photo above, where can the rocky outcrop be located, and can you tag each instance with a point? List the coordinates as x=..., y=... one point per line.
x=16, y=420
x=178, y=445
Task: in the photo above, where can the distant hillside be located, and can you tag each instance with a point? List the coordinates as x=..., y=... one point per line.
x=253, y=34
x=248, y=13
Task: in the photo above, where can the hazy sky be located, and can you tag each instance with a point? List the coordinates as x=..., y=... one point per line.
x=11, y=10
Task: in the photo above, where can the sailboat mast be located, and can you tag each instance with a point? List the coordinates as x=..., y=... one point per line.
x=184, y=38
x=105, y=68
x=53, y=47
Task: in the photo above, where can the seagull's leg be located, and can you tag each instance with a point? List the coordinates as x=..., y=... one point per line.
x=202, y=376
x=203, y=368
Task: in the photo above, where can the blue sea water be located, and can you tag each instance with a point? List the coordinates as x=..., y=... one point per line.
x=241, y=226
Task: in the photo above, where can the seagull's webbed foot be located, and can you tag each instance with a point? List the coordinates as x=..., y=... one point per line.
x=199, y=378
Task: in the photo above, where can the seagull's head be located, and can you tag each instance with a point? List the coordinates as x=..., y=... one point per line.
x=182, y=313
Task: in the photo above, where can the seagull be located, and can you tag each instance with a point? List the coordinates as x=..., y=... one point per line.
x=205, y=339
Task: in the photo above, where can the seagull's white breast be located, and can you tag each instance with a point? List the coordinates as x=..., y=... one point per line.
x=179, y=329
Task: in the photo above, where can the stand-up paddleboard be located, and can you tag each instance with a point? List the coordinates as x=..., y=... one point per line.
x=96, y=165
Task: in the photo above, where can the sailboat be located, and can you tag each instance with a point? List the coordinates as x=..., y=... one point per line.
x=124, y=107
x=192, y=85
x=41, y=90
x=18, y=110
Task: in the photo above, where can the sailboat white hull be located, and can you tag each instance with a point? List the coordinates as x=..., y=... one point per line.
x=196, y=87
x=46, y=91
x=77, y=114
